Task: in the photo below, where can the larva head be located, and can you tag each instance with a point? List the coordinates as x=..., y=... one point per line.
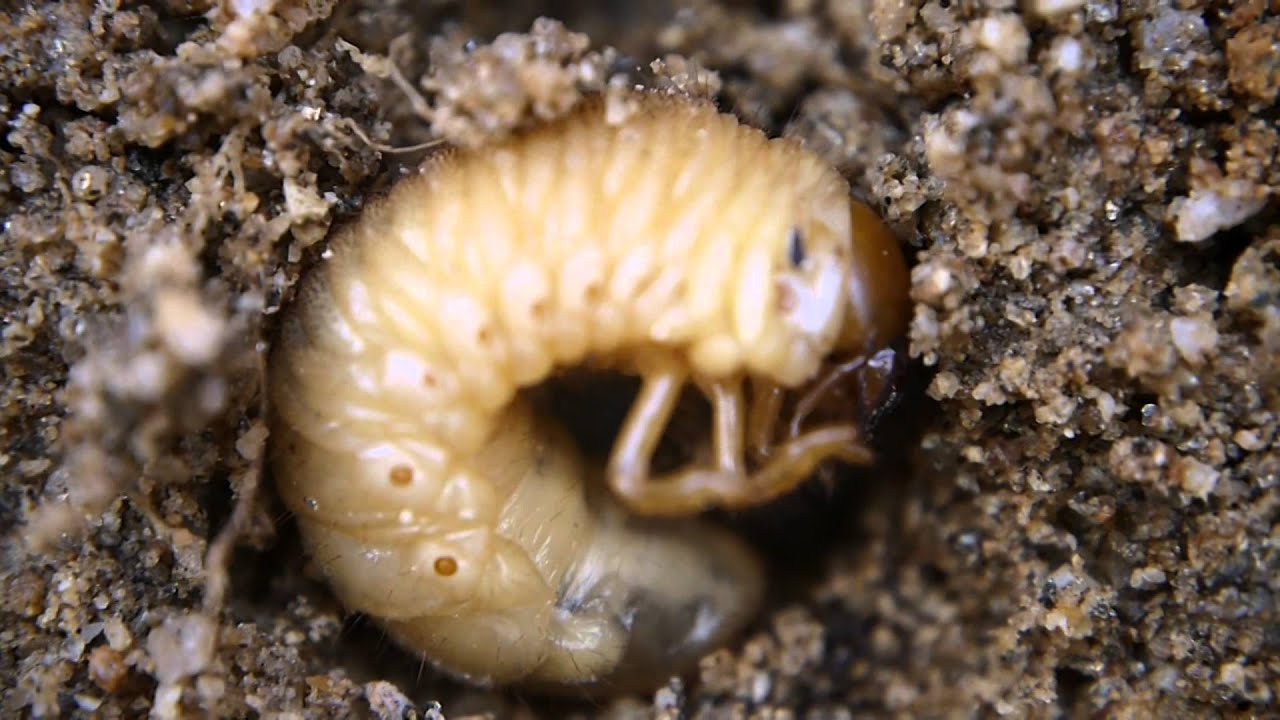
x=877, y=287
x=838, y=283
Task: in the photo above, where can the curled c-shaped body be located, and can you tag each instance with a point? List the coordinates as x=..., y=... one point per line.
x=433, y=497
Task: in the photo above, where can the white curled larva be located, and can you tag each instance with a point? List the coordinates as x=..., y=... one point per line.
x=677, y=245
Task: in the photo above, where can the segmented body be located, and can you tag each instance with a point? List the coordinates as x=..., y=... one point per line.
x=433, y=497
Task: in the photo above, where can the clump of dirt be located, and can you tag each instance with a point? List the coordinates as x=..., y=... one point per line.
x=1085, y=516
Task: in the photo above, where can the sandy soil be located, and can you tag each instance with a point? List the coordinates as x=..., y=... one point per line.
x=1078, y=514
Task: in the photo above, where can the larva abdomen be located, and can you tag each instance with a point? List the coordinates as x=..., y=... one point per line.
x=431, y=494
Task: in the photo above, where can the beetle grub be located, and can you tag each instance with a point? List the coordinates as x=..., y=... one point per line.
x=1064, y=471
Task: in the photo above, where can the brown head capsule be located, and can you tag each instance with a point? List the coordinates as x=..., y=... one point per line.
x=676, y=245
x=858, y=378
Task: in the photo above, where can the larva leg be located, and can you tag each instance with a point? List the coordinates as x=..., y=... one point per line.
x=729, y=414
x=845, y=384
x=786, y=465
x=683, y=492
x=762, y=418
x=727, y=484
x=851, y=372
x=793, y=461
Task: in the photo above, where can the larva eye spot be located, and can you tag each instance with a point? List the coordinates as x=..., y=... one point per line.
x=445, y=566
x=401, y=476
x=795, y=247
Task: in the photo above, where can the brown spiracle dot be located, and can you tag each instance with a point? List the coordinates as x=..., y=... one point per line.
x=401, y=475
x=445, y=566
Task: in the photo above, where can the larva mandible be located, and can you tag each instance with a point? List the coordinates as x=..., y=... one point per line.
x=676, y=245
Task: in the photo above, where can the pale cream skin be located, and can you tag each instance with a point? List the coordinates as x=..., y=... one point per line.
x=679, y=246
